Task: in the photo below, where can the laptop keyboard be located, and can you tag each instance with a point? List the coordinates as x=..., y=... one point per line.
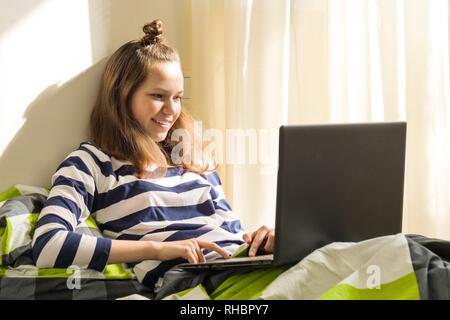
x=238, y=261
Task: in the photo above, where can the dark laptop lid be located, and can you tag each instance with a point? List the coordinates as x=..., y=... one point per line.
x=338, y=182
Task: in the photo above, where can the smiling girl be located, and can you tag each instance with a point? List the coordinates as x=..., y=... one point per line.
x=147, y=207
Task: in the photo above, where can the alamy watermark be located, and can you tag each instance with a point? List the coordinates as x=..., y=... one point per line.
x=230, y=146
x=374, y=279
x=74, y=280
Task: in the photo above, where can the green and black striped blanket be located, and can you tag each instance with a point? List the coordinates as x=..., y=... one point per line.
x=391, y=267
x=21, y=279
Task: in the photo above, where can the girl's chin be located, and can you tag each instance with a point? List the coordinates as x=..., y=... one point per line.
x=159, y=136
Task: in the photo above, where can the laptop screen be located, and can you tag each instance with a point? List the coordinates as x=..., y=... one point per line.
x=338, y=182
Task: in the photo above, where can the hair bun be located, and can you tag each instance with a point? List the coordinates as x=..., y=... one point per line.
x=153, y=33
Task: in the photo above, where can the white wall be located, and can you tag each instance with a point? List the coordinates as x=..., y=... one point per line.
x=52, y=53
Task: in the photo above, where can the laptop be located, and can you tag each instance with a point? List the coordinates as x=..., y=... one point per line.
x=336, y=183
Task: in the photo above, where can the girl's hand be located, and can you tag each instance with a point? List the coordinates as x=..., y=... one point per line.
x=263, y=239
x=190, y=249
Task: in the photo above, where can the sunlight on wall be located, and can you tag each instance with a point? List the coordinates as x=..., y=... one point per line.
x=52, y=55
x=48, y=46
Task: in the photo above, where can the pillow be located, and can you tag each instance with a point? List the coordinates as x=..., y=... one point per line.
x=20, y=206
x=19, y=210
x=19, y=213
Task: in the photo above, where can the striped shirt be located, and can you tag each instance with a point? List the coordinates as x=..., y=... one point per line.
x=180, y=205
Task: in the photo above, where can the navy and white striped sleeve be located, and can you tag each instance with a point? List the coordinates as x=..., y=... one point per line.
x=55, y=244
x=232, y=221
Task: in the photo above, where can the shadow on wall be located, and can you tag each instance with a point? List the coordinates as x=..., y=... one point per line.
x=57, y=120
x=49, y=123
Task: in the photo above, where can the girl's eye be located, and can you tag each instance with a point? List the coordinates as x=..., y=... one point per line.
x=177, y=99
x=157, y=96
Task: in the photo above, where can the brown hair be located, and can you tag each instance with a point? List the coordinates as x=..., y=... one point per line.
x=113, y=128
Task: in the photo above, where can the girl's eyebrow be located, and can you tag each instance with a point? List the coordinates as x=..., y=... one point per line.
x=164, y=90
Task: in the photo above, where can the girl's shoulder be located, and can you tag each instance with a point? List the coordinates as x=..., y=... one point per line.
x=90, y=156
x=89, y=150
x=89, y=160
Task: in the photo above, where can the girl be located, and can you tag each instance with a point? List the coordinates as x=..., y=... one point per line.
x=147, y=206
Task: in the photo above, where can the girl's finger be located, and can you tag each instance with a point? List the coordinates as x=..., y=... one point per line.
x=200, y=255
x=214, y=247
x=270, y=243
x=256, y=243
x=191, y=257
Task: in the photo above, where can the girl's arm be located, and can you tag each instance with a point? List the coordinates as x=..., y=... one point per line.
x=70, y=202
x=133, y=251
x=55, y=244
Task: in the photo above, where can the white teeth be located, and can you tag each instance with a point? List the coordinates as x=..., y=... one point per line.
x=161, y=122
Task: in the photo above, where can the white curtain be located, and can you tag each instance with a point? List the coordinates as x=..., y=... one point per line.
x=262, y=63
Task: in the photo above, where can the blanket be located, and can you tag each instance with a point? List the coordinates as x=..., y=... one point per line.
x=390, y=267
x=21, y=279
x=405, y=267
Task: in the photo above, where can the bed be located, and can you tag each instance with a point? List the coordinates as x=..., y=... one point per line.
x=390, y=267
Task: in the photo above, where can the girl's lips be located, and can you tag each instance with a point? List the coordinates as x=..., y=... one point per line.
x=163, y=124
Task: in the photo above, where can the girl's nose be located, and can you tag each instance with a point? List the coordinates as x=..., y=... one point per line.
x=170, y=107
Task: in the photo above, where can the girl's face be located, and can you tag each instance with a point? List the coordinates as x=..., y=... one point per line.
x=156, y=104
